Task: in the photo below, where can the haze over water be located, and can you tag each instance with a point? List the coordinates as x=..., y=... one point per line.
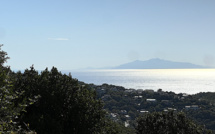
x=189, y=81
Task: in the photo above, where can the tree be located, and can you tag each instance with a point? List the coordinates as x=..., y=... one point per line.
x=9, y=109
x=7, y=112
x=63, y=105
x=168, y=123
x=3, y=57
x=112, y=127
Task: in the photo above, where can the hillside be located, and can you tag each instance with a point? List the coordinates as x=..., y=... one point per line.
x=126, y=105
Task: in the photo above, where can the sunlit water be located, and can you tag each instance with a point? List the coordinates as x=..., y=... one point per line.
x=189, y=81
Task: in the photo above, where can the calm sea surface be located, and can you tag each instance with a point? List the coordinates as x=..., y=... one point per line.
x=189, y=81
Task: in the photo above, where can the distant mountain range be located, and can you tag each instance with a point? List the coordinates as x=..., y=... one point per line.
x=158, y=64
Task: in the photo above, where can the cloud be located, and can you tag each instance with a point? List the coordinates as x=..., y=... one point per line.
x=58, y=39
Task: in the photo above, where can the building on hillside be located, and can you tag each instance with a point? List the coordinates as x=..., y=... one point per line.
x=128, y=117
x=114, y=116
x=143, y=111
x=129, y=90
x=151, y=100
x=138, y=97
x=123, y=111
x=192, y=107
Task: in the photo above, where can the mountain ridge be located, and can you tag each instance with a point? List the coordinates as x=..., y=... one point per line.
x=157, y=63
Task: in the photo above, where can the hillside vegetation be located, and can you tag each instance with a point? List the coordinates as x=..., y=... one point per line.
x=125, y=105
x=52, y=102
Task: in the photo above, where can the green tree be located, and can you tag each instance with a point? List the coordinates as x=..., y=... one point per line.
x=6, y=97
x=112, y=127
x=63, y=105
x=168, y=123
x=3, y=57
x=9, y=109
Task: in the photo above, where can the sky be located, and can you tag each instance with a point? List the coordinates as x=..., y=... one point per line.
x=75, y=34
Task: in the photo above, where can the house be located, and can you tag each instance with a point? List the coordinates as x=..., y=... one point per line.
x=185, y=95
x=169, y=109
x=127, y=117
x=165, y=110
x=138, y=97
x=192, y=107
x=129, y=90
x=151, y=100
x=127, y=123
x=123, y=112
x=187, y=107
x=195, y=107
x=143, y=111
x=114, y=116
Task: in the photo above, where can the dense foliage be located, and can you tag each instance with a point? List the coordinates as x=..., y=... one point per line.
x=61, y=102
x=168, y=123
x=9, y=108
x=47, y=102
x=125, y=105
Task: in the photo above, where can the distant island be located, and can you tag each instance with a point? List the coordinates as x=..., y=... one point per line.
x=158, y=64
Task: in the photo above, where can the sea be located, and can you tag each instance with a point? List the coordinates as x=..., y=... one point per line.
x=190, y=81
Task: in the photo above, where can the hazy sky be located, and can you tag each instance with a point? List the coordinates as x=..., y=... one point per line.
x=75, y=34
